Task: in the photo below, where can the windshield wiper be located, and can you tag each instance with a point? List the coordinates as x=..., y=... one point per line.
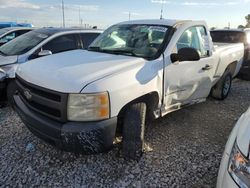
x=114, y=51
x=120, y=52
x=94, y=48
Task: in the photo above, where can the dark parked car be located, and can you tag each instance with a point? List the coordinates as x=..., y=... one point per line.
x=10, y=33
x=36, y=44
x=236, y=36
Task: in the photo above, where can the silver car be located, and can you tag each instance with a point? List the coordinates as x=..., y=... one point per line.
x=36, y=44
x=10, y=33
x=235, y=164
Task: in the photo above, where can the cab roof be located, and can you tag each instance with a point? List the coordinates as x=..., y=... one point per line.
x=166, y=22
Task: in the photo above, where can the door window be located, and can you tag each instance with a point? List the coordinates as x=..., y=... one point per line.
x=9, y=36
x=61, y=44
x=21, y=32
x=204, y=40
x=194, y=37
x=88, y=38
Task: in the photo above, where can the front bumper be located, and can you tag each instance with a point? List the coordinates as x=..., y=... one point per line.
x=87, y=137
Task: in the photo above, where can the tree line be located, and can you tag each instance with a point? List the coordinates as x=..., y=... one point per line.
x=247, y=24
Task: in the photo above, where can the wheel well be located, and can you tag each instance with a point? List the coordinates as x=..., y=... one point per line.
x=151, y=100
x=232, y=67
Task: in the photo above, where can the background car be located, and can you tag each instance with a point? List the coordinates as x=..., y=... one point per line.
x=14, y=24
x=35, y=44
x=10, y=33
x=235, y=165
x=236, y=36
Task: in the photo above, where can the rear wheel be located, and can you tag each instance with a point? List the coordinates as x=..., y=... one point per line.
x=221, y=90
x=133, y=131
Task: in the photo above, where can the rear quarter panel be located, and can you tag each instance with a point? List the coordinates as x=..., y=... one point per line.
x=228, y=53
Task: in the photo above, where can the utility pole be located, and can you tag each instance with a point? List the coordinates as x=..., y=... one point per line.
x=80, y=23
x=130, y=14
x=161, y=10
x=63, y=13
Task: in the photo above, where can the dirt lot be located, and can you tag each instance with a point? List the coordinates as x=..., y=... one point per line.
x=187, y=148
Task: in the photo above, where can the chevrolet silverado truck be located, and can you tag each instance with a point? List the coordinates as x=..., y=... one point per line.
x=133, y=72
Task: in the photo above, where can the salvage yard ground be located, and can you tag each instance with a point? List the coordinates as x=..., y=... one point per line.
x=187, y=149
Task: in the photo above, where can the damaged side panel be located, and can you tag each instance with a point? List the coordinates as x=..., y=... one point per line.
x=185, y=83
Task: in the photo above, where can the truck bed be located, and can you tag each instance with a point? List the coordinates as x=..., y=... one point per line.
x=218, y=45
x=229, y=53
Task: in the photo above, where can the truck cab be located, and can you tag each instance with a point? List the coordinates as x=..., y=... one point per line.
x=134, y=71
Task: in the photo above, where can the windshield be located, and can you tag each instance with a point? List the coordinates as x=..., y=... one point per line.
x=133, y=40
x=228, y=36
x=23, y=44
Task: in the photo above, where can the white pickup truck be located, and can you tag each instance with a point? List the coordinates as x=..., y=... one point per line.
x=80, y=100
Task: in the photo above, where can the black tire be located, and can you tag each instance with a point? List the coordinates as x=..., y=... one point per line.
x=11, y=90
x=221, y=90
x=133, y=131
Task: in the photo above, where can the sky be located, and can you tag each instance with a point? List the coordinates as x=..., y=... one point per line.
x=103, y=13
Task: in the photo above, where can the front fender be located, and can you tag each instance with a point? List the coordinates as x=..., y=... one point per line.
x=130, y=84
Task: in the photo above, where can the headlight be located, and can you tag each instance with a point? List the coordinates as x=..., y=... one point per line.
x=239, y=167
x=88, y=107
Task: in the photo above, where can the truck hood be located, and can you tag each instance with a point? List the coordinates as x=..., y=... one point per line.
x=6, y=60
x=243, y=135
x=69, y=72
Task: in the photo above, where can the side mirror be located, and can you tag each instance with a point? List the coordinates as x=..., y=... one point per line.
x=44, y=53
x=186, y=54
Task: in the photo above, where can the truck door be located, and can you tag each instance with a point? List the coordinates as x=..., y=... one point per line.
x=189, y=81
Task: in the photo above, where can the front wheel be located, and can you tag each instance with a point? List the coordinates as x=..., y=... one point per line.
x=221, y=90
x=133, y=131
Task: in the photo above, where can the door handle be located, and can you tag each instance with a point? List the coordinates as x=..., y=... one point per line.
x=207, y=67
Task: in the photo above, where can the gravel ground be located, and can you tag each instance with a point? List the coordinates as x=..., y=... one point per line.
x=187, y=148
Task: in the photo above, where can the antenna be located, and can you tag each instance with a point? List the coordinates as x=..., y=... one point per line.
x=160, y=2
x=130, y=14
